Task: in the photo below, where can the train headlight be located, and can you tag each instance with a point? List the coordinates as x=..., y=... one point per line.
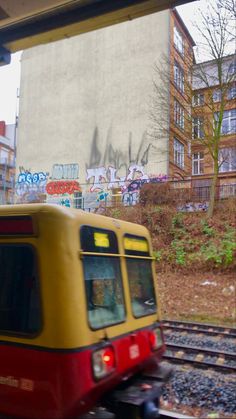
x=155, y=339
x=103, y=362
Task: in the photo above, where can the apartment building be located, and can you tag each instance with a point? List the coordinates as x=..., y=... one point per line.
x=181, y=59
x=210, y=99
x=7, y=163
x=84, y=113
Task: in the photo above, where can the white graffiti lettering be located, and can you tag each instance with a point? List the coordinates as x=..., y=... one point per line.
x=98, y=173
x=101, y=175
x=135, y=168
x=65, y=171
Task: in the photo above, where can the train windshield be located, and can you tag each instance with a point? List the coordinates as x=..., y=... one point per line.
x=139, y=269
x=19, y=290
x=102, y=274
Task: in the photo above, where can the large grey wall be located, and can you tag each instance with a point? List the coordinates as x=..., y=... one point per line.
x=85, y=101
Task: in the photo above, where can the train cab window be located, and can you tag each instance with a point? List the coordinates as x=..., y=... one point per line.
x=19, y=291
x=102, y=275
x=140, y=277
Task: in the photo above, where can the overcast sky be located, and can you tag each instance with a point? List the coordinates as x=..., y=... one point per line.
x=10, y=74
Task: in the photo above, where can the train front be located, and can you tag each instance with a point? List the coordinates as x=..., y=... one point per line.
x=122, y=301
x=79, y=322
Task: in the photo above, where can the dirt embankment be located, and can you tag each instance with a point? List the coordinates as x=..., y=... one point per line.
x=195, y=259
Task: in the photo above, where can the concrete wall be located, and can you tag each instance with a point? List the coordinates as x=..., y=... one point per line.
x=84, y=112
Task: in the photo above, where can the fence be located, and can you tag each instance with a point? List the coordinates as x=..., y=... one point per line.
x=180, y=193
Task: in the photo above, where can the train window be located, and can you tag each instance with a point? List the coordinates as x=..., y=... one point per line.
x=140, y=276
x=141, y=287
x=102, y=274
x=19, y=291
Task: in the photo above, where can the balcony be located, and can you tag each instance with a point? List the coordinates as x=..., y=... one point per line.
x=4, y=162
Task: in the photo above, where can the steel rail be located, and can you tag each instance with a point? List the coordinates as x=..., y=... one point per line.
x=181, y=353
x=193, y=327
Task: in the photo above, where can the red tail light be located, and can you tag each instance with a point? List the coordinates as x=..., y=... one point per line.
x=103, y=362
x=109, y=357
x=155, y=339
x=18, y=225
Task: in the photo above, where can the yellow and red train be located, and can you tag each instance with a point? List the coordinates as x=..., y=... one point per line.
x=79, y=316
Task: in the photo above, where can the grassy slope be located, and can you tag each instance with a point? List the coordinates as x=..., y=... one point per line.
x=195, y=260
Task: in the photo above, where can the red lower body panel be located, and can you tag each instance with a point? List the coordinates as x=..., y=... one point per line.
x=47, y=384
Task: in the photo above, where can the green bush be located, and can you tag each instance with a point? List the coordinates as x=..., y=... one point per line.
x=177, y=220
x=206, y=229
x=180, y=254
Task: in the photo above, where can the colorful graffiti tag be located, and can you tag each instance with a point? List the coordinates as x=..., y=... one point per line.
x=103, y=185
x=101, y=176
x=63, y=187
x=30, y=187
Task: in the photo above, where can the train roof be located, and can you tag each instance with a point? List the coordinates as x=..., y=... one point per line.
x=64, y=213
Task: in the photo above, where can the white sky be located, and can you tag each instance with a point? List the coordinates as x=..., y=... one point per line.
x=10, y=74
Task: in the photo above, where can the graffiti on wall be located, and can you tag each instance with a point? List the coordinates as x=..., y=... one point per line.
x=63, y=187
x=114, y=157
x=193, y=206
x=31, y=187
x=108, y=168
x=65, y=171
x=107, y=178
x=34, y=186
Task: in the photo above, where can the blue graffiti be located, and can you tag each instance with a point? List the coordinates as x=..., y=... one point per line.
x=102, y=196
x=136, y=184
x=65, y=202
x=32, y=177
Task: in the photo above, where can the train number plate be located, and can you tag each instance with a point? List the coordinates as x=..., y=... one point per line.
x=134, y=351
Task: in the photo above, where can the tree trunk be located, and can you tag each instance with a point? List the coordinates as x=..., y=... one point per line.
x=213, y=192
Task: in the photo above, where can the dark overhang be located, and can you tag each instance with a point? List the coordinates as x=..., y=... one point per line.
x=27, y=23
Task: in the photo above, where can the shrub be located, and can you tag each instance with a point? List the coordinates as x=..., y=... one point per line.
x=156, y=194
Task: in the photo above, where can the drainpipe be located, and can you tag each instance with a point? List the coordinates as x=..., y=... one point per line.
x=4, y=183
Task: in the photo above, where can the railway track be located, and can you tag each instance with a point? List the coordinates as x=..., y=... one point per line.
x=208, y=329
x=200, y=356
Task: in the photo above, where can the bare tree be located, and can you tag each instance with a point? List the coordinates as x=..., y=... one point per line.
x=229, y=5
x=205, y=94
x=215, y=79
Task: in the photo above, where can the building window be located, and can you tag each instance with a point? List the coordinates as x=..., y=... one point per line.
x=178, y=77
x=229, y=122
x=197, y=163
x=197, y=128
x=178, y=114
x=231, y=94
x=178, y=41
x=232, y=68
x=216, y=97
x=227, y=159
x=198, y=99
x=178, y=153
x=4, y=153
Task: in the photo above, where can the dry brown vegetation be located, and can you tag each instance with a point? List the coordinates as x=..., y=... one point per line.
x=195, y=257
